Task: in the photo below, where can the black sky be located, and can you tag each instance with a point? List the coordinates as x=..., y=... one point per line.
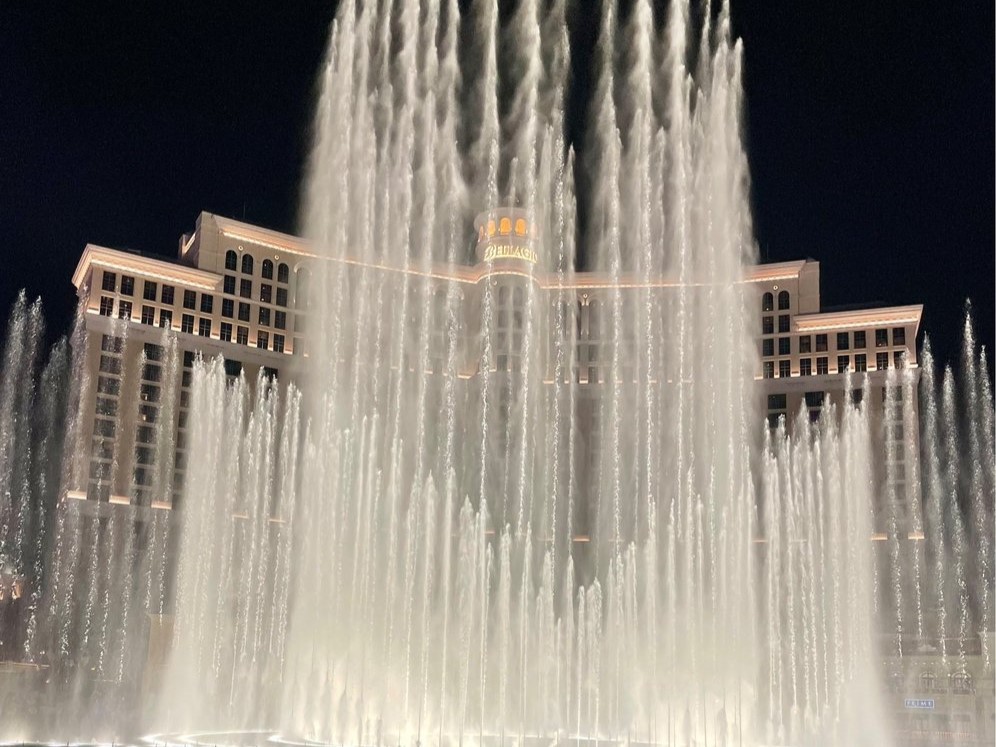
x=869, y=127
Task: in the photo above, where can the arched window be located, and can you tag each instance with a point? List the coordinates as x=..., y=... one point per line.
x=231, y=260
x=283, y=273
x=593, y=309
x=505, y=226
x=502, y=295
x=303, y=280
x=783, y=300
x=767, y=302
x=927, y=680
x=268, y=269
x=517, y=296
x=247, y=264
x=961, y=682
x=520, y=227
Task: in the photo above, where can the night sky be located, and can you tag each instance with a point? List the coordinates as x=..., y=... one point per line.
x=869, y=128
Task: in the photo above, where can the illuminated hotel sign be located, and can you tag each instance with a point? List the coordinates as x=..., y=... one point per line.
x=922, y=704
x=509, y=251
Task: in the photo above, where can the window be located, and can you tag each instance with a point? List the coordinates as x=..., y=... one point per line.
x=270, y=373
x=229, y=286
x=822, y=366
x=245, y=288
x=881, y=361
x=107, y=406
x=152, y=372
x=204, y=327
x=767, y=325
x=107, y=385
x=784, y=369
x=242, y=335
x=859, y=339
x=167, y=294
x=188, y=358
x=207, y=303
x=927, y=681
x=189, y=299
x=775, y=419
x=280, y=319
x=843, y=341
x=150, y=290
x=899, y=335
x=127, y=285
x=226, y=332
x=857, y=396
x=103, y=428
x=814, y=399
x=187, y=324
x=281, y=296
x=262, y=340
x=124, y=309
x=148, y=393
x=881, y=338
x=297, y=348
x=843, y=363
x=153, y=352
x=861, y=362
x=278, y=343
x=767, y=302
x=806, y=344
x=266, y=293
x=243, y=312
x=267, y=269
x=233, y=368
x=806, y=367
x=264, y=316
x=187, y=378
x=283, y=273
x=767, y=347
x=111, y=344
x=784, y=346
x=961, y=682
x=821, y=343
x=165, y=318
x=899, y=359
x=109, y=282
x=783, y=300
x=227, y=308
x=784, y=321
x=148, y=315
x=247, y=264
x=231, y=260
x=769, y=370
x=777, y=402
x=106, y=306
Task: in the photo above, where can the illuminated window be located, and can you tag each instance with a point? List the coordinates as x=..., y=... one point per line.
x=520, y=227
x=267, y=269
x=231, y=260
x=505, y=226
x=283, y=273
x=767, y=302
x=247, y=264
x=491, y=228
x=783, y=300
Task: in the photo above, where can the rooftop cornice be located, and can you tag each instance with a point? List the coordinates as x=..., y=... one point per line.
x=855, y=318
x=157, y=268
